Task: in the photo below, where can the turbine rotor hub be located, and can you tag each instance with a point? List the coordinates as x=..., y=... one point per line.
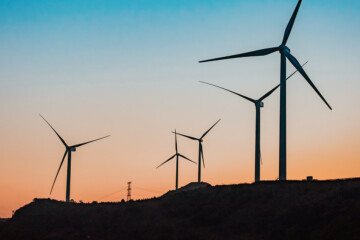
x=284, y=49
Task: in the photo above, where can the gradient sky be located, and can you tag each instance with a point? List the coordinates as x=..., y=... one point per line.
x=130, y=69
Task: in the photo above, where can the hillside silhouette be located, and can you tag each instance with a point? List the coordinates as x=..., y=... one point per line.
x=264, y=210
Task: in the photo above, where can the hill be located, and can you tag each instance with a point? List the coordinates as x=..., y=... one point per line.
x=265, y=210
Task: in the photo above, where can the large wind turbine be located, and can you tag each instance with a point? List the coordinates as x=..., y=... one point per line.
x=201, y=153
x=177, y=161
x=284, y=53
x=258, y=105
x=68, y=151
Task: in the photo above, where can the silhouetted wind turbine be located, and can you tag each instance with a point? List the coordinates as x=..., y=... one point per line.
x=284, y=53
x=68, y=151
x=201, y=153
x=177, y=161
x=258, y=105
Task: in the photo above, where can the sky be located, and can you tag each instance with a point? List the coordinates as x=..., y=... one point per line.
x=130, y=69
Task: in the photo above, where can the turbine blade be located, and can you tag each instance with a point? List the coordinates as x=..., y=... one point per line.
x=81, y=144
x=186, y=158
x=247, y=98
x=269, y=93
x=272, y=90
x=291, y=23
x=176, y=148
x=296, y=64
x=296, y=71
x=202, y=155
x=192, y=138
x=58, y=171
x=209, y=129
x=256, y=53
x=62, y=140
x=166, y=161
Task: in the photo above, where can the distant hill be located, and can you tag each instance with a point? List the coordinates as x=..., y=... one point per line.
x=265, y=210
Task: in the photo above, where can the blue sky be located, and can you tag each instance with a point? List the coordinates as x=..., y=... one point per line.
x=92, y=36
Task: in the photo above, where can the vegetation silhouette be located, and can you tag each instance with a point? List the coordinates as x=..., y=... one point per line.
x=263, y=210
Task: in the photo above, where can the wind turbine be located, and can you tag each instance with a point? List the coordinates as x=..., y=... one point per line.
x=177, y=155
x=201, y=153
x=258, y=105
x=284, y=53
x=68, y=151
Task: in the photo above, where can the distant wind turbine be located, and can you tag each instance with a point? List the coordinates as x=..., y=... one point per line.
x=68, y=151
x=177, y=155
x=258, y=105
x=284, y=53
x=201, y=153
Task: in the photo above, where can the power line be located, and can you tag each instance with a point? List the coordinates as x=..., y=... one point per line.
x=117, y=198
x=108, y=195
x=148, y=190
x=129, y=188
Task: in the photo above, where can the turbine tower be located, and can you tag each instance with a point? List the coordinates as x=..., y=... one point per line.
x=258, y=105
x=68, y=151
x=284, y=54
x=201, y=153
x=177, y=155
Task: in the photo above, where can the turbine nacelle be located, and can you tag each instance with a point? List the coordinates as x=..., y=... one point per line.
x=68, y=151
x=260, y=104
x=285, y=55
x=201, y=153
x=284, y=49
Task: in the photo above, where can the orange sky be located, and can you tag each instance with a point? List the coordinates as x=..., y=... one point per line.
x=318, y=145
